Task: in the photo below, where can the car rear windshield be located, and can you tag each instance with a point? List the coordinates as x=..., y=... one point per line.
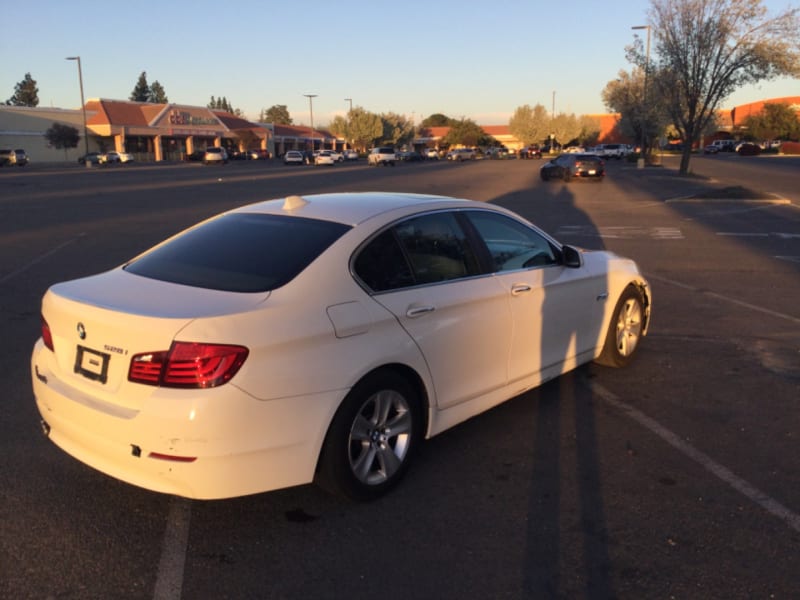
x=240, y=252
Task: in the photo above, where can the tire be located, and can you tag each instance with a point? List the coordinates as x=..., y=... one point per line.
x=624, y=330
x=545, y=176
x=372, y=438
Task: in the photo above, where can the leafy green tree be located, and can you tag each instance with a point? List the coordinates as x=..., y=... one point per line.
x=465, y=132
x=705, y=50
x=364, y=128
x=277, y=113
x=25, y=93
x=530, y=125
x=437, y=120
x=157, y=93
x=397, y=130
x=141, y=91
x=62, y=136
x=565, y=127
x=339, y=127
x=590, y=130
x=640, y=118
x=775, y=122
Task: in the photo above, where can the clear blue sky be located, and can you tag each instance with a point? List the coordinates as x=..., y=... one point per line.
x=475, y=59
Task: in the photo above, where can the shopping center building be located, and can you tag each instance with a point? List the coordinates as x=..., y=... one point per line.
x=170, y=132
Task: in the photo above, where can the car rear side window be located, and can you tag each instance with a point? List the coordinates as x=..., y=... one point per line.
x=240, y=252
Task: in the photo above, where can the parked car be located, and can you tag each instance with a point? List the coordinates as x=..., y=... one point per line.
x=350, y=155
x=748, y=149
x=324, y=157
x=126, y=157
x=13, y=158
x=383, y=155
x=711, y=149
x=91, y=158
x=293, y=157
x=409, y=156
x=530, y=152
x=337, y=156
x=109, y=158
x=724, y=145
x=432, y=154
x=295, y=340
x=215, y=156
x=499, y=152
x=195, y=156
x=567, y=166
x=461, y=154
x=611, y=150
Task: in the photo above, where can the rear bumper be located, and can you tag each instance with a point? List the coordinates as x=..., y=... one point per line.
x=233, y=445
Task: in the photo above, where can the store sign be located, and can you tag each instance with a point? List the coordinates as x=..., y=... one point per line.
x=182, y=117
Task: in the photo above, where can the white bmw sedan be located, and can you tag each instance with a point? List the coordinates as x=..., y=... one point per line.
x=319, y=339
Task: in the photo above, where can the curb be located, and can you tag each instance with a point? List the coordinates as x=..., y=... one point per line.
x=693, y=200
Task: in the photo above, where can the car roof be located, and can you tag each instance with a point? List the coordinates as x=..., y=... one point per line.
x=356, y=207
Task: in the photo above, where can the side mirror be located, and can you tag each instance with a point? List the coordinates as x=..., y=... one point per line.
x=572, y=257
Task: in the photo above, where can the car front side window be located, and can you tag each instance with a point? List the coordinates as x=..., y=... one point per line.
x=426, y=249
x=511, y=244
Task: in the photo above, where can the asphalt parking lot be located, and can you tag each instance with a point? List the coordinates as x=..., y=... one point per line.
x=676, y=477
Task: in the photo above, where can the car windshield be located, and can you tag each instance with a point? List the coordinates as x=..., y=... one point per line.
x=240, y=252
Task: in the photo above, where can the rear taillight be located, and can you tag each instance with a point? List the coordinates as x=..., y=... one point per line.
x=47, y=335
x=188, y=365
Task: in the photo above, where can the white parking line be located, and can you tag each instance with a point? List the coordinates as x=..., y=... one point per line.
x=769, y=504
x=24, y=268
x=723, y=298
x=169, y=579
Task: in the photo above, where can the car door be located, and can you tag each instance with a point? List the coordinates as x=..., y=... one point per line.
x=555, y=309
x=425, y=272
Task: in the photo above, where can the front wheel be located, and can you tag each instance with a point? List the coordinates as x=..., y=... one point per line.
x=624, y=330
x=372, y=438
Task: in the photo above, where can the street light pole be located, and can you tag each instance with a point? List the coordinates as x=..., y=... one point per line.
x=640, y=162
x=83, y=103
x=350, y=100
x=311, y=112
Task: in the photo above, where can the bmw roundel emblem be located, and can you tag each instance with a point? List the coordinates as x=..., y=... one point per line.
x=81, y=331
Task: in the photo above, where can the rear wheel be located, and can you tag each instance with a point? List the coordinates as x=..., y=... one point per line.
x=625, y=329
x=372, y=438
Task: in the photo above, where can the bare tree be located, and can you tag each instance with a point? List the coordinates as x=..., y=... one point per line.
x=706, y=49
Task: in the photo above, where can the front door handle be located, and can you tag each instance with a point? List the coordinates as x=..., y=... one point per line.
x=416, y=311
x=520, y=288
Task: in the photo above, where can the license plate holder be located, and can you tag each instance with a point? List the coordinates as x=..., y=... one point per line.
x=92, y=364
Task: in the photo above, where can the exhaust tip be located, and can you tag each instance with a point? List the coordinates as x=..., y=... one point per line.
x=45, y=427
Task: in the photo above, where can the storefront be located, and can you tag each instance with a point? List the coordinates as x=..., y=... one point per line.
x=151, y=132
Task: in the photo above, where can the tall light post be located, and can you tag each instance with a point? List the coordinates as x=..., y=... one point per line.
x=311, y=112
x=350, y=100
x=83, y=103
x=640, y=162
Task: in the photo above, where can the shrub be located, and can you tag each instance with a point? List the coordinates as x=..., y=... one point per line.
x=790, y=148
